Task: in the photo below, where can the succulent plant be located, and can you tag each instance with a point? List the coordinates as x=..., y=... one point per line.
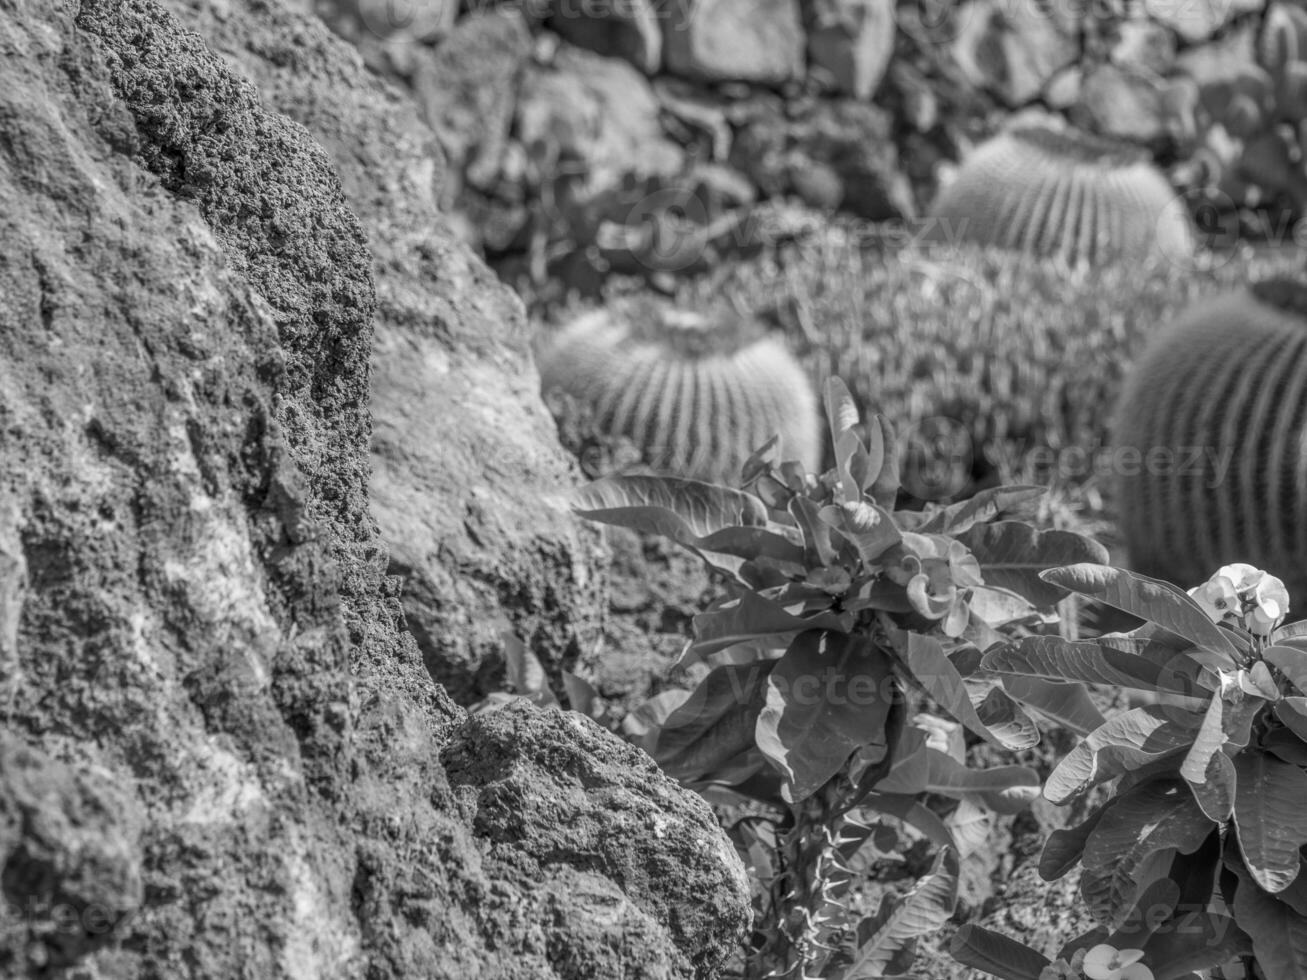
x=1208, y=440
x=1062, y=193
x=696, y=392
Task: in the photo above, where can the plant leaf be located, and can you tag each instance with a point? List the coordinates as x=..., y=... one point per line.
x=852, y=462
x=914, y=813
x=825, y=698
x=1064, y=847
x=1068, y=705
x=1012, y=554
x=983, y=507
x=931, y=668
x=1158, y=816
x=755, y=618
x=1128, y=741
x=1148, y=598
x=996, y=954
x=1269, y=803
x=671, y=507
x=1278, y=933
x=715, y=724
x=1193, y=942
x=1292, y=661
x=1105, y=660
x=879, y=937
x=885, y=487
x=1004, y=789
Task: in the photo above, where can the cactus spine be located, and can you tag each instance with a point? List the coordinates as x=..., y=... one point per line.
x=696, y=394
x=1063, y=194
x=1227, y=380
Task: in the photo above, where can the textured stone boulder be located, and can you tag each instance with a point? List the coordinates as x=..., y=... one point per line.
x=233, y=752
x=853, y=40
x=463, y=449
x=625, y=28
x=1012, y=50
x=733, y=40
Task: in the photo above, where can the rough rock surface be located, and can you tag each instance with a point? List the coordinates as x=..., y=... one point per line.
x=463, y=449
x=1011, y=49
x=853, y=41
x=198, y=641
x=734, y=40
x=625, y=28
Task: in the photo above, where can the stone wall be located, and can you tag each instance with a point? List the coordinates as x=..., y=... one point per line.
x=601, y=138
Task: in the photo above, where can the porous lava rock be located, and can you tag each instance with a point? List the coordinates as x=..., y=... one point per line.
x=226, y=750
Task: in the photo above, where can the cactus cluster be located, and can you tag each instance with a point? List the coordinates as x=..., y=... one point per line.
x=695, y=392
x=1057, y=192
x=1208, y=440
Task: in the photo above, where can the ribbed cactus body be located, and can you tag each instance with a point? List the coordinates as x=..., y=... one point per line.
x=1217, y=407
x=1062, y=194
x=696, y=394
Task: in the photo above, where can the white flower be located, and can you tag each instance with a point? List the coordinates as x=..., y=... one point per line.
x=1244, y=596
x=1105, y=962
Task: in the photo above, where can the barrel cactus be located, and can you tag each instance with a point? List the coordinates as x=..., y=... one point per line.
x=1061, y=193
x=696, y=393
x=1208, y=440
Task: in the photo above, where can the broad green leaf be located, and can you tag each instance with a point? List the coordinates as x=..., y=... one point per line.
x=1068, y=705
x=1065, y=846
x=1148, y=598
x=642, y=725
x=971, y=825
x=524, y=672
x=1157, y=816
x=995, y=607
x=1270, y=802
x=581, y=695
x=1004, y=789
x=913, y=813
x=818, y=548
x=825, y=697
x=706, y=519
x=1012, y=554
x=715, y=725
x=1131, y=739
x=1004, y=717
x=931, y=668
x=779, y=543
x=683, y=510
x=1215, y=793
x=1106, y=660
x=1193, y=942
x=1110, y=897
x=996, y=954
x=870, y=529
x=755, y=618
x=983, y=507
x=852, y=463
x=879, y=938
x=1278, y=933
x=909, y=773
x=1293, y=713
x=885, y=487
x=1292, y=661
